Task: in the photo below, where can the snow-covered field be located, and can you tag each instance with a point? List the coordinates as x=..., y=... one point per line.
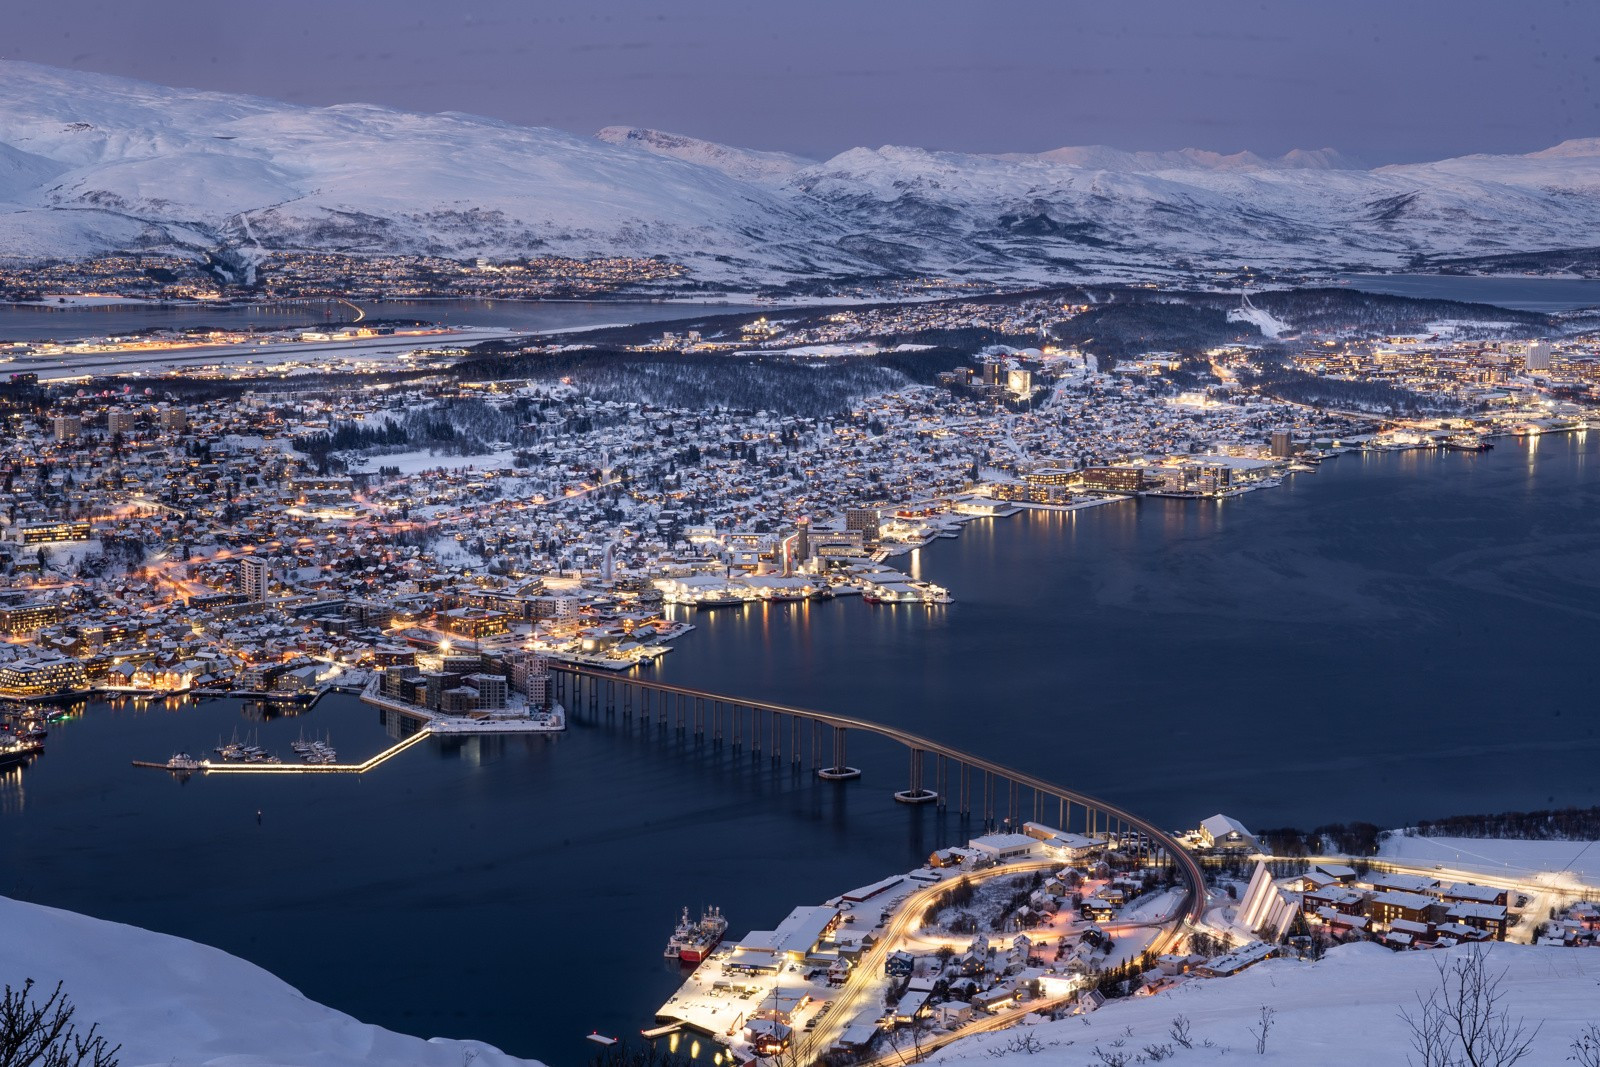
x=1578, y=859
x=1340, y=1011
x=421, y=460
x=175, y=1003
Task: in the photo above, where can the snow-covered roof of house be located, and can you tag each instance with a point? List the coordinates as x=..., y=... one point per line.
x=1220, y=826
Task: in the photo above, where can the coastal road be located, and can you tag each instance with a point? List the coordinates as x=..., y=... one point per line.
x=867, y=977
x=866, y=981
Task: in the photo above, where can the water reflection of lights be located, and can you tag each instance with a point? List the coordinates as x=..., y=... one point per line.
x=12, y=796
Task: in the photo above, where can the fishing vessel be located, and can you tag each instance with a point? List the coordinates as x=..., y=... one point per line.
x=718, y=600
x=15, y=751
x=1466, y=442
x=692, y=942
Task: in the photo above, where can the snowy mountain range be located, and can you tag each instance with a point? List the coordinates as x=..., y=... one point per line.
x=91, y=164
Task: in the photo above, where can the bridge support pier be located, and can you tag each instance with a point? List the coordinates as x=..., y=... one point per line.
x=841, y=769
x=916, y=794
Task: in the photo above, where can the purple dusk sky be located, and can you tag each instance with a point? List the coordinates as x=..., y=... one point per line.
x=1381, y=80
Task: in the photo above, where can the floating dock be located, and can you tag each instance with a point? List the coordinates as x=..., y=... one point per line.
x=219, y=767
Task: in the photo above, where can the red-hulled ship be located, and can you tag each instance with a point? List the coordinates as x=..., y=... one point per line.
x=692, y=942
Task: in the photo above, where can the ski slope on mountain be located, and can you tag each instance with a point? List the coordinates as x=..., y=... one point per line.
x=91, y=164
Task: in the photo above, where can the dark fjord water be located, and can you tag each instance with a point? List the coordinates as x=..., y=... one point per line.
x=1510, y=291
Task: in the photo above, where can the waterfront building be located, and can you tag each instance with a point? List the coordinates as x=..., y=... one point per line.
x=489, y=691
x=1282, y=444
x=42, y=676
x=837, y=544
x=530, y=676
x=863, y=519
x=1050, y=476
x=395, y=678
x=1114, y=479
x=1223, y=831
x=1004, y=848
x=794, y=939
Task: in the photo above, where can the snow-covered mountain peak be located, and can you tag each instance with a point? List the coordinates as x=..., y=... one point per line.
x=742, y=163
x=1102, y=157
x=1575, y=148
x=91, y=164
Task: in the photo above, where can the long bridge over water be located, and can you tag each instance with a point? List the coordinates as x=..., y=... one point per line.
x=937, y=774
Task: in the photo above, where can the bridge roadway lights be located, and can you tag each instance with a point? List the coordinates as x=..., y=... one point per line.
x=838, y=774
x=916, y=796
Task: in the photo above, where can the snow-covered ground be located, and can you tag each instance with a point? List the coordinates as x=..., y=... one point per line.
x=1342, y=1010
x=1578, y=859
x=422, y=460
x=175, y=1003
x=83, y=302
x=1265, y=321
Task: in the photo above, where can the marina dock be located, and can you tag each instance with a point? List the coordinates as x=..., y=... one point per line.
x=221, y=767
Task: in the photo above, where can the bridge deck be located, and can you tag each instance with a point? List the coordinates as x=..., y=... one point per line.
x=1186, y=863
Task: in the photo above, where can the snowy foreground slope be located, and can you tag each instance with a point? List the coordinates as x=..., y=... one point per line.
x=174, y=1003
x=1339, y=1011
x=90, y=164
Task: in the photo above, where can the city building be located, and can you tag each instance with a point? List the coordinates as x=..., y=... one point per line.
x=254, y=576
x=49, y=533
x=530, y=676
x=864, y=520
x=1114, y=479
x=26, y=618
x=1222, y=831
x=42, y=676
